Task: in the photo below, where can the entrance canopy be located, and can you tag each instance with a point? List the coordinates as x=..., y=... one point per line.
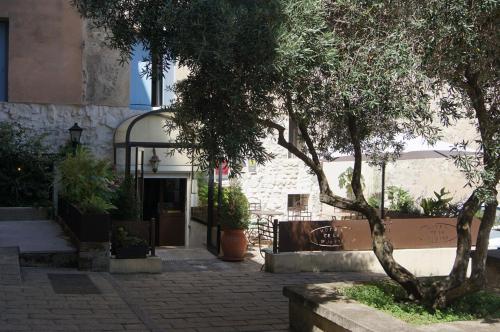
x=140, y=137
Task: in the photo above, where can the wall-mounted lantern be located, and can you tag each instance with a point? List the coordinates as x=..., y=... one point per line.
x=75, y=134
x=154, y=161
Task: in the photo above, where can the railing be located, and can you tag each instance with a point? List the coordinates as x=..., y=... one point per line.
x=200, y=214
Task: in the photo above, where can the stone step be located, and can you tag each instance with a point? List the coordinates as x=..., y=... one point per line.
x=10, y=272
x=40, y=243
x=22, y=213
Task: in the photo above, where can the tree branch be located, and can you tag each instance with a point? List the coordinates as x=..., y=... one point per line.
x=326, y=195
x=289, y=146
x=303, y=129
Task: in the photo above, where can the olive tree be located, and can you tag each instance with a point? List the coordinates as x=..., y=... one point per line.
x=349, y=73
x=459, y=42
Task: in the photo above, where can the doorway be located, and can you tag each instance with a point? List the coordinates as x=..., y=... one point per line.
x=165, y=200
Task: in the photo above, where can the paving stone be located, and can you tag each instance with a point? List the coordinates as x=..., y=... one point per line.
x=221, y=297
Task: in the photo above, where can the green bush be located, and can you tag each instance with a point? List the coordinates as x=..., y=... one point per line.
x=345, y=179
x=401, y=200
x=234, y=210
x=391, y=298
x=374, y=200
x=122, y=239
x=87, y=182
x=128, y=206
x=203, y=190
x=439, y=206
x=26, y=169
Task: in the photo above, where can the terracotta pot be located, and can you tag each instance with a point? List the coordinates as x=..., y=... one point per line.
x=234, y=244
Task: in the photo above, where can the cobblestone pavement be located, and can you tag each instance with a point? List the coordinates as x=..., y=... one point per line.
x=186, y=297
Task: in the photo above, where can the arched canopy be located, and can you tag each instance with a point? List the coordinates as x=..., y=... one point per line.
x=145, y=130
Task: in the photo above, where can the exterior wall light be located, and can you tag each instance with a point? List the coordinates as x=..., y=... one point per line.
x=75, y=134
x=154, y=161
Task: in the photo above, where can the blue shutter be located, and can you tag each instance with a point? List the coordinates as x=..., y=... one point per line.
x=140, y=85
x=4, y=56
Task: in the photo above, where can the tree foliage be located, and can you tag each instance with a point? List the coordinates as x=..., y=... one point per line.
x=26, y=168
x=355, y=76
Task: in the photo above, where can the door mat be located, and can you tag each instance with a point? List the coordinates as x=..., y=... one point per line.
x=72, y=284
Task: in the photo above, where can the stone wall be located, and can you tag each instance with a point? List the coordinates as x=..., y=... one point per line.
x=273, y=182
x=99, y=123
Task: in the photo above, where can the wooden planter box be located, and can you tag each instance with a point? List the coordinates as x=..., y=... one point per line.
x=85, y=227
x=132, y=252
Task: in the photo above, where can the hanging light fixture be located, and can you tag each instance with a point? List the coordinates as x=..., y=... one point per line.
x=154, y=161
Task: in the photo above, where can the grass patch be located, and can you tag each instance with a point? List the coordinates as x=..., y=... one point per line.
x=391, y=298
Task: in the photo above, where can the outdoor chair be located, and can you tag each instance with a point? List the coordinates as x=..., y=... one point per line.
x=299, y=213
x=252, y=232
x=265, y=234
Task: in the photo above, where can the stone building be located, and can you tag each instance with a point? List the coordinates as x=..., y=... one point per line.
x=56, y=70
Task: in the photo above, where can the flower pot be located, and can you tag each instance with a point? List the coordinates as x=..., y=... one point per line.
x=234, y=244
x=139, y=251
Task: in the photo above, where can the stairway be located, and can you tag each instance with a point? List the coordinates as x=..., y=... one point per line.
x=39, y=241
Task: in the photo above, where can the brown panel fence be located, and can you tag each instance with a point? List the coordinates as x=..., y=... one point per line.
x=414, y=233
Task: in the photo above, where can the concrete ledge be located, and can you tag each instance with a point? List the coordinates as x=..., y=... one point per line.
x=22, y=213
x=319, y=307
x=137, y=265
x=421, y=262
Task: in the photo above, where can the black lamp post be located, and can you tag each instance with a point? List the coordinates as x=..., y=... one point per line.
x=75, y=134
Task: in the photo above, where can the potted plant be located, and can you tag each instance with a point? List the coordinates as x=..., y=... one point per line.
x=234, y=220
x=127, y=246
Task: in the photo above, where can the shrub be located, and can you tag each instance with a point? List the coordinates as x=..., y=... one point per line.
x=203, y=190
x=374, y=200
x=122, y=239
x=345, y=179
x=128, y=206
x=87, y=182
x=439, y=206
x=401, y=200
x=234, y=213
x=391, y=298
x=26, y=169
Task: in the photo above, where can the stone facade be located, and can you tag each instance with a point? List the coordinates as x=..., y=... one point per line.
x=283, y=175
x=273, y=182
x=99, y=123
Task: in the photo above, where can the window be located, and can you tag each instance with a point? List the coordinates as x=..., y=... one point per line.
x=252, y=166
x=298, y=202
x=297, y=207
x=147, y=91
x=4, y=57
